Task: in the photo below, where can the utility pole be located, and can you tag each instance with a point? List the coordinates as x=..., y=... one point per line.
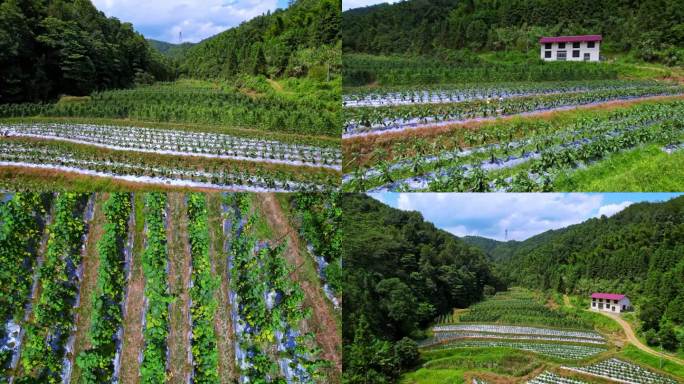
x=506, y=235
x=180, y=37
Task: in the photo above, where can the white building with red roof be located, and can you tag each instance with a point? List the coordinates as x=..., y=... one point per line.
x=610, y=302
x=571, y=48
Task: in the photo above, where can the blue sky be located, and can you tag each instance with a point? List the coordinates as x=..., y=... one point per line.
x=522, y=214
x=348, y=4
x=197, y=19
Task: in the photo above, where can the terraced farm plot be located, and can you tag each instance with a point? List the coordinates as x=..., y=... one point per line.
x=236, y=140
x=518, y=155
x=126, y=288
x=622, y=372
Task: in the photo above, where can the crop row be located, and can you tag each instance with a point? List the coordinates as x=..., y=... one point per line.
x=269, y=307
x=622, y=371
x=373, y=97
x=53, y=319
x=157, y=296
x=544, y=156
x=97, y=362
x=557, y=350
x=551, y=378
x=440, y=337
x=362, y=120
x=144, y=170
x=517, y=330
x=22, y=221
x=204, y=283
x=320, y=218
x=183, y=143
x=179, y=104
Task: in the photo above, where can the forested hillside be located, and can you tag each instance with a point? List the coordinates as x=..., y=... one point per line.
x=652, y=29
x=173, y=51
x=637, y=251
x=49, y=48
x=302, y=39
x=401, y=272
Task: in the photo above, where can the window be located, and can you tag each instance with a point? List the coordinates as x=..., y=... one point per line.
x=575, y=53
x=548, y=45
x=561, y=55
x=547, y=54
x=587, y=57
x=575, y=45
x=561, y=45
x=591, y=44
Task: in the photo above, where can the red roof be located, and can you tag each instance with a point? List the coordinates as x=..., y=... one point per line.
x=609, y=296
x=570, y=39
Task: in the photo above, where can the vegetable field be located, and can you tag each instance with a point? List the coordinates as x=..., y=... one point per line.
x=516, y=155
x=238, y=137
x=71, y=315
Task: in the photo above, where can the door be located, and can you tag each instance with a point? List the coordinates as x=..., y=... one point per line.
x=561, y=55
x=587, y=56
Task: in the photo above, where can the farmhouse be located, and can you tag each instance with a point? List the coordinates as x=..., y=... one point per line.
x=571, y=48
x=610, y=302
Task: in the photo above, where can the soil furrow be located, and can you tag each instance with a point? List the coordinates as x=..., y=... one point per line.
x=133, y=341
x=179, y=364
x=222, y=320
x=90, y=264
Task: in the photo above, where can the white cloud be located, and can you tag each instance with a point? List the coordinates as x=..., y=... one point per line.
x=611, y=209
x=164, y=19
x=349, y=4
x=491, y=214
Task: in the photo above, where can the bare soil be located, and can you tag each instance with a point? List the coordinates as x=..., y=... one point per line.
x=91, y=263
x=180, y=275
x=219, y=266
x=133, y=341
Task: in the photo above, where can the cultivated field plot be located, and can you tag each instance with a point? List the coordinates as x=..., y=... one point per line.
x=516, y=155
x=571, y=339
x=166, y=170
x=192, y=134
x=154, y=288
x=622, y=371
x=421, y=108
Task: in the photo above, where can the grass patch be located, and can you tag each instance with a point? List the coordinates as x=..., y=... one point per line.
x=633, y=353
x=646, y=169
x=449, y=366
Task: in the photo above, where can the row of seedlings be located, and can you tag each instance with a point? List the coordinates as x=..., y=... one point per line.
x=47, y=340
x=22, y=222
x=203, y=301
x=98, y=362
x=320, y=217
x=157, y=296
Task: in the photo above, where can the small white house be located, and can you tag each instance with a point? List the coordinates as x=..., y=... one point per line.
x=571, y=48
x=610, y=302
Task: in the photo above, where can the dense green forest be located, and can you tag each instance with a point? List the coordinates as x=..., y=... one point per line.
x=302, y=40
x=653, y=29
x=400, y=273
x=637, y=251
x=48, y=48
x=170, y=50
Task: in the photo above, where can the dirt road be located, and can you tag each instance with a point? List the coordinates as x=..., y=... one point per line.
x=637, y=343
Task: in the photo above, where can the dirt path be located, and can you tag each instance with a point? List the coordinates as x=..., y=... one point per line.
x=219, y=266
x=276, y=85
x=91, y=263
x=323, y=322
x=133, y=341
x=637, y=343
x=180, y=274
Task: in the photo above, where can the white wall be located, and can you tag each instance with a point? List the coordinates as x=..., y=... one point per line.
x=608, y=307
x=593, y=52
